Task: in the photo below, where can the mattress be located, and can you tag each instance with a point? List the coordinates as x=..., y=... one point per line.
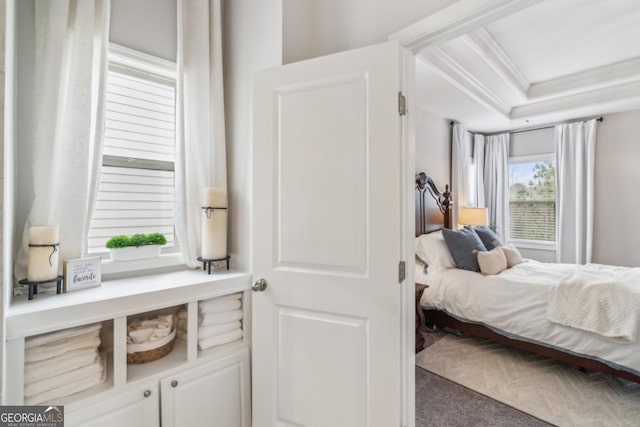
x=514, y=303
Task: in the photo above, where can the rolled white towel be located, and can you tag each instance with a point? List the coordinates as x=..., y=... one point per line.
x=218, y=306
x=68, y=361
x=57, y=348
x=209, y=319
x=181, y=334
x=211, y=331
x=60, y=335
x=52, y=396
x=182, y=314
x=220, y=339
x=182, y=325
x=38, y=387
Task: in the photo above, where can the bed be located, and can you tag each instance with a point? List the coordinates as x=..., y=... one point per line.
x=511, y=307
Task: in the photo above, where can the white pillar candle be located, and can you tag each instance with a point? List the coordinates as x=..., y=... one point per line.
x=43, y=261
x=214, y=224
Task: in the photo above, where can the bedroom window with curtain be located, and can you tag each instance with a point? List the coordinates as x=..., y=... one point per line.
x=532, y=199
x=137, y=186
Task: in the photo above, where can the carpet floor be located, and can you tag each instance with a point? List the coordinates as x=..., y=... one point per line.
x=443, y=403
x=551, y=391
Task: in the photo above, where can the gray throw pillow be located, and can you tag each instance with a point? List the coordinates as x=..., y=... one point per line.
x=487, y=236
x=461, y=244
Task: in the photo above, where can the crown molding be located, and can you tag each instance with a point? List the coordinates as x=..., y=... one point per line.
x=483, y=43
x=625, y=96
x=453, y=21
x=461, y=79
x=597, y=78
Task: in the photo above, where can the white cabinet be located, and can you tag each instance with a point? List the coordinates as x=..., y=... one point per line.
x=187, y=387
x=214, y=394
x=138, y=406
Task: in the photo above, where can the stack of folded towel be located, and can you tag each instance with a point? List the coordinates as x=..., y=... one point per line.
x=141, y=331
x=62, y=363
x=219, y=321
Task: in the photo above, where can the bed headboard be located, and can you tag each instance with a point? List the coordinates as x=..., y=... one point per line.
x=432, y=206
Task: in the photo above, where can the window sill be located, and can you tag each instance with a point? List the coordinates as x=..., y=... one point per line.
x=531, y=244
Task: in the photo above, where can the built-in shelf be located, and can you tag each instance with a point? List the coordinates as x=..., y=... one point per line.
x=116, y=298
x=113, y=303
x=176, y=358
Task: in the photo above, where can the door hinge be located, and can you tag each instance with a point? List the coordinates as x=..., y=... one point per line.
x=402, y=271
x=402, y=104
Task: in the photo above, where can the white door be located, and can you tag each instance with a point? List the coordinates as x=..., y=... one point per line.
x=327, y=239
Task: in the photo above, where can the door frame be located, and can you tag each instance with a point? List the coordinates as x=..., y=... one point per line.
x=453, y=21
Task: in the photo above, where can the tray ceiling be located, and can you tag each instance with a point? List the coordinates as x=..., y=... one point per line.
x=551, y=60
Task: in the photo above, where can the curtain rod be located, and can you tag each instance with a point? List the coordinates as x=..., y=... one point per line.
x=600, y=119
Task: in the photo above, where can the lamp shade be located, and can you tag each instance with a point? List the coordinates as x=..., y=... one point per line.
x=474, y=216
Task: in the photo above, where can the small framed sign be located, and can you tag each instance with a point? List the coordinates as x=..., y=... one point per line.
x=82, y=273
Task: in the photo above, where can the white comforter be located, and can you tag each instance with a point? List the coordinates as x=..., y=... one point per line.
x=514, y=303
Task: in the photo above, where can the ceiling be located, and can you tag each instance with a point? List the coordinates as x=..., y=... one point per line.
x=550, y=61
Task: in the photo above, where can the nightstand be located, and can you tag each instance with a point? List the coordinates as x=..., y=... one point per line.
x=419, y=317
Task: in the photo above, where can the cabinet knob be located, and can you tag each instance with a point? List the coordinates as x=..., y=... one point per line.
x=147, y=393
x=174, y=383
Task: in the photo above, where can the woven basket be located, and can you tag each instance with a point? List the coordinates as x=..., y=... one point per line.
x=164, y=347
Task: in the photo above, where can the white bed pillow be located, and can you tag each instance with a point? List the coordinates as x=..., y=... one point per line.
x=433, y=249
x=492, y=262
x=512, y=254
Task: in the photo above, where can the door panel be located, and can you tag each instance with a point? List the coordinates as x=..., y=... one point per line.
x=327, y=163
x=312, y=160
x=307, y=375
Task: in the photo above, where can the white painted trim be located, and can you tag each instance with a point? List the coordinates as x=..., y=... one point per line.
x=461, y=79
x=533, y=244
x=131, y=58
x=407, y=250
x=532, y=158
x=453, y=21
x=597, y=78
x=582, y=104
x=483, y=43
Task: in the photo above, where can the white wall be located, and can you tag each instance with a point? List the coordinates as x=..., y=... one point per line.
x=252, y=41
x=146, y=25
x=433, y=146
x=320, y=27
x=617, y=199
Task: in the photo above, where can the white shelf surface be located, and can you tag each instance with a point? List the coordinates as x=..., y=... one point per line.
x=115, y=298
x=176, y=358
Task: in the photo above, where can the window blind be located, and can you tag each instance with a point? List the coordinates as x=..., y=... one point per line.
x=532, y=200
x=136, y=193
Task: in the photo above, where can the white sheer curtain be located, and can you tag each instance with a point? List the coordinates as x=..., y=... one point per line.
x=71, y=42
x=575, y=156
x=460, y=162
x=496, y=182
x=200, y=138
x=478, y=162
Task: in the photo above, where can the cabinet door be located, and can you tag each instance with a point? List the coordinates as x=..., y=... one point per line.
x=212, y=394
x=134, y=407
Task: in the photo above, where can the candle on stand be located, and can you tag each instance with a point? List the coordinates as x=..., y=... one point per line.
x=214, y=223
x=43, y=253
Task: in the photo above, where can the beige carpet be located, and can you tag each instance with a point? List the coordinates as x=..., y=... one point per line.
x=552, y=391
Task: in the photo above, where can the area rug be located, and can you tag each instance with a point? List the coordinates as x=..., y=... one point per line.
x=551, y=391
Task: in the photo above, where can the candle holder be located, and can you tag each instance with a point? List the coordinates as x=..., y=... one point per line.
x=33, y=285
x=206, y=263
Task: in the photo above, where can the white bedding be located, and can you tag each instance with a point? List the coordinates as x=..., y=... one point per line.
x=514, y=303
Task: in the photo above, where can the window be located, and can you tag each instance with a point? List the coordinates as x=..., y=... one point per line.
x=532, y=198
x=136, y=193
